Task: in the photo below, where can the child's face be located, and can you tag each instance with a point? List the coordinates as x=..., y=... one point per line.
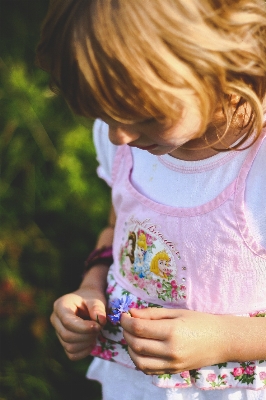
x=157, y=137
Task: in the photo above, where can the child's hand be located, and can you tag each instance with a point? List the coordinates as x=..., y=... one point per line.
x=164, y=340
x=77, y=319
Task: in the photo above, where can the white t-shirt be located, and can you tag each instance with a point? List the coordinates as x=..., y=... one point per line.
x=187, y=184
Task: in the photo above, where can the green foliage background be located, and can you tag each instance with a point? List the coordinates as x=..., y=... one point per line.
x=52, y=208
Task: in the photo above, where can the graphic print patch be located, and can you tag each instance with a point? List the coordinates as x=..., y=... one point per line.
x=147, y=260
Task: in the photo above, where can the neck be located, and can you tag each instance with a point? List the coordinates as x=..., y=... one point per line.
x=209, y=143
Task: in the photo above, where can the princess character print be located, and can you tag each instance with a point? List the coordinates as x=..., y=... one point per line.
x=148, y=261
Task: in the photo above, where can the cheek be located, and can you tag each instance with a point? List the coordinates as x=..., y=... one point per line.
x=112, y=135
x=192, y=124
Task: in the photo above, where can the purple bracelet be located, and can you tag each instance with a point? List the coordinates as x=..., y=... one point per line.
x=104, y=255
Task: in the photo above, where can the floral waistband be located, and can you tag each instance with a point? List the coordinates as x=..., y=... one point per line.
x=112, y=346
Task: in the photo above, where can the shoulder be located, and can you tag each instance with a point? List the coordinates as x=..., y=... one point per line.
x=259, y=164
x=256, y=182
x=255, y=196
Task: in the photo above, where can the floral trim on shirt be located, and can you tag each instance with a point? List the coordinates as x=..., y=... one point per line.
x=112, y=346
x=105, y=349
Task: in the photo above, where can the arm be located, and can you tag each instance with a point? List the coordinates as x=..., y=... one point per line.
x=171, y=341
x=77, y=317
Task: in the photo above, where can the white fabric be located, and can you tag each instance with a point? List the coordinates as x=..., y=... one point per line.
x=188, y=184
x=105, y=150
x=206, y=180
x=121, y=383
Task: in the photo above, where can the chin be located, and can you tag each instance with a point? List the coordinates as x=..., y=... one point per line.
x=161, y=151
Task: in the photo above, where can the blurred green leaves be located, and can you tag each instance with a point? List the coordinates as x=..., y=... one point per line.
x=52, y=206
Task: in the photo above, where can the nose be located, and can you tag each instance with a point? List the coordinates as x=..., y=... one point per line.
x=122, y=134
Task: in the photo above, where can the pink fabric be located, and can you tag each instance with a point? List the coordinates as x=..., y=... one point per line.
x=202, y=258
x=211, y=251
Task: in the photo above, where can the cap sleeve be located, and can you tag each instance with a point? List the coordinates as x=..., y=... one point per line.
x=255, y=195
x=105, y=151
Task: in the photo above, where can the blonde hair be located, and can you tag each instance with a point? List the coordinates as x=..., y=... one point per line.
x=162, y=255
x=142, y=243
x=135, y=59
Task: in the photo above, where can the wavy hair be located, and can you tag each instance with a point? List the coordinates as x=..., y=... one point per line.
x=141, y=242
x=134, y=59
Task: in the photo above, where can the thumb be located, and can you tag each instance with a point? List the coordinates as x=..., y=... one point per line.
x=97, y=310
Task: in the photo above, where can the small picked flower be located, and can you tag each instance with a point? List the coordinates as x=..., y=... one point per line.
x=118, y=307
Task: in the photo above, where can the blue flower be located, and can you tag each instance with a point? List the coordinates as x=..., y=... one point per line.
x=115, y=318
x=119, y=306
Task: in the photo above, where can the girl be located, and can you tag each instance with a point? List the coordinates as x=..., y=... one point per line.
x=180, y=86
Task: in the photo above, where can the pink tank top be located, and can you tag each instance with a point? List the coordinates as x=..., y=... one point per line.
x=202, y=258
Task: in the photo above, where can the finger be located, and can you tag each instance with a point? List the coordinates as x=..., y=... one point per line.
x=152, y=365
x=66, y=313
x=71, y=337
x=147, y=347
x=72, y=323
x=77, y=347
x=76, y=356
x=144, y=328
x=97, y=311
x=154, y=313
x=76, y=343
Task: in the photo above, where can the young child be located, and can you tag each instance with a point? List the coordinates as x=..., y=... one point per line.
x=178, y=86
